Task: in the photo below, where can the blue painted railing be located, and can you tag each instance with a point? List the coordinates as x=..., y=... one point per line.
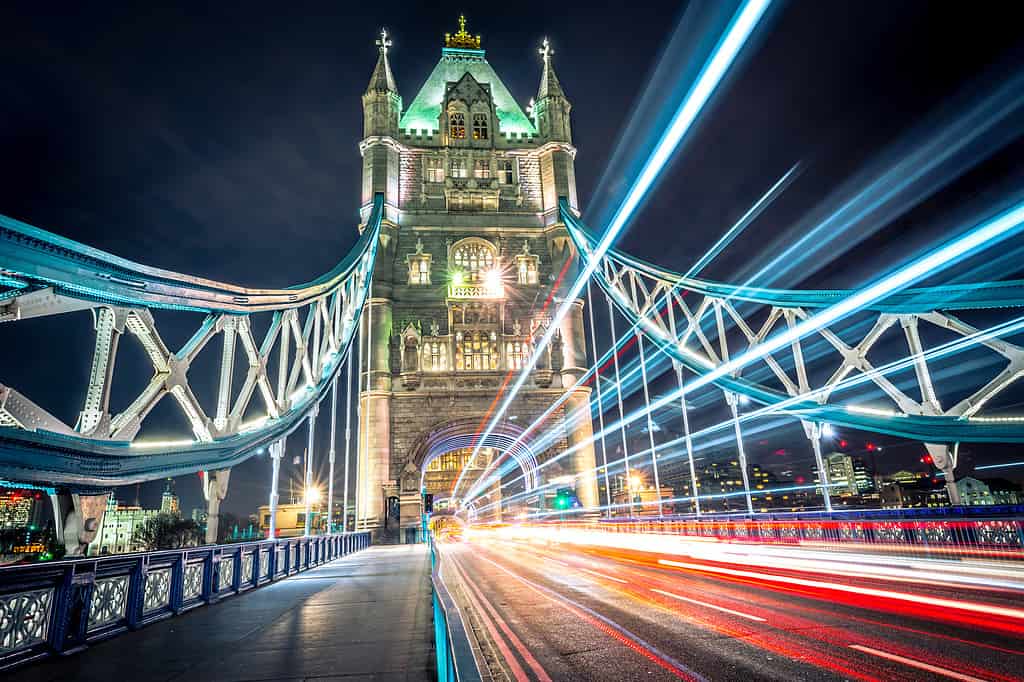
x=60, y=607
x=455, y=659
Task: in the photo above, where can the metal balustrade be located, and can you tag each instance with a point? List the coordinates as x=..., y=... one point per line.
x=63, y=606
x=455, y=659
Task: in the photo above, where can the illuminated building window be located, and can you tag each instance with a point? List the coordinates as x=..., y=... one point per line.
x=506, y=171
x=517, y=352
x=473, y=258
x=435, y=357
x=457, y=125
x=419, y=265
x=479, y=126
x=476, y=351
x=527, y=265
x=457, y=168
x=435, y=169
x=482, y=169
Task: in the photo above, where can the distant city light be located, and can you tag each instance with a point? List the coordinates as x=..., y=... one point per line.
x=827, y=431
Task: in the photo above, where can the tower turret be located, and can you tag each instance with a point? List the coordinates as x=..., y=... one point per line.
x=551, y=107
x=382, y=105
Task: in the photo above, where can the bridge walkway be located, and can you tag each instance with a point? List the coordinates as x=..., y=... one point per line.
x=367, y=616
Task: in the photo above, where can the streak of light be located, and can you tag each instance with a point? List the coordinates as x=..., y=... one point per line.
x=740, y=28
x=952, y=604
x=920, y=665
x=710, y=606
x=1001, y=466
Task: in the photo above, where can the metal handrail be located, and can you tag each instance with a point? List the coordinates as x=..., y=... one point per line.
x=455, y=658
x=59, y=607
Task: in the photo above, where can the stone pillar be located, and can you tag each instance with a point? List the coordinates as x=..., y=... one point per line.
x=77, y=519
x=574, y=345
x=944, y=457
x=215, y=490
x=374, y=458
x=580, y=431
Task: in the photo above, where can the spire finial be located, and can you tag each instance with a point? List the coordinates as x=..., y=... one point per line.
x=383, y=42
x=545, y=50
x=462, y=39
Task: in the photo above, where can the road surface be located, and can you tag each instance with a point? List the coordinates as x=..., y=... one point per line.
x=556, y=611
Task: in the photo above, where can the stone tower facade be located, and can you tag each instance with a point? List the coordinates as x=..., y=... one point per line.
x=469, y=268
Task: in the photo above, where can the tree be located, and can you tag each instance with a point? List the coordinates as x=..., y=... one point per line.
x=167, y=531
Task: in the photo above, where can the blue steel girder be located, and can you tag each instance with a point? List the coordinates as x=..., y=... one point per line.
x=54, y=275
x=693, y=332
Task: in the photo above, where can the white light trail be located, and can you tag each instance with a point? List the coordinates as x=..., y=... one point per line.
x=736, y=35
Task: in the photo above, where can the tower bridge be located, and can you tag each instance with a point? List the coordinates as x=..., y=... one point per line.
x=487, y=357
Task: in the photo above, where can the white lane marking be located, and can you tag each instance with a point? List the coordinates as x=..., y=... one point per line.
x=987, y=609
x=711, y=606
x=606, y=577
x=920, y=665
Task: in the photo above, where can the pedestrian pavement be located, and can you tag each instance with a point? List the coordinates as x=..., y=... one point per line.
x=367, y=616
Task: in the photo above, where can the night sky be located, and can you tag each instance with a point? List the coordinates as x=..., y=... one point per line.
x=221, y=138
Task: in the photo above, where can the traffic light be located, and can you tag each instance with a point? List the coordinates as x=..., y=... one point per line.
x=428, y=503
x=565, y=498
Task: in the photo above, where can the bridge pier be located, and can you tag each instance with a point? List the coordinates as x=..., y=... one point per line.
x=944, y=457
x=77, y=519
x=215, y=489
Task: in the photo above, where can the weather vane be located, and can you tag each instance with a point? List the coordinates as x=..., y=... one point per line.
x=546, y=50
x=384, y=42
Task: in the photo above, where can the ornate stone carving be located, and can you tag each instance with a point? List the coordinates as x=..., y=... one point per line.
x=193, y=583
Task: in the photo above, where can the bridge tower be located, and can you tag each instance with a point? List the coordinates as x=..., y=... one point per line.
x=472, y=251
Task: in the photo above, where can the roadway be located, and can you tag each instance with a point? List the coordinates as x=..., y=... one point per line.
x=546, y=610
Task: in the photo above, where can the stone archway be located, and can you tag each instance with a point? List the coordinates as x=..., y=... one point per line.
x=459, y=436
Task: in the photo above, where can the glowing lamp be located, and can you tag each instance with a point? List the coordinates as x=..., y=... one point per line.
x=458, y=279
x=493, y=279
x=313, y=494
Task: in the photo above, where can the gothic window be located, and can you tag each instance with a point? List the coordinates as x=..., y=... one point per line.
x=458, y=168
x=482, y=169
x=435, y=359
x=479, y=126
x=476, y=351
x=527, y=266
x=457, y=125
x=419, y=265
x=435, y=169
x=474, y=258
x=517, y=353
x=506, y=171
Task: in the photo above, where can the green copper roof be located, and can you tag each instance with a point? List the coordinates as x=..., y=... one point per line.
x=425, y=109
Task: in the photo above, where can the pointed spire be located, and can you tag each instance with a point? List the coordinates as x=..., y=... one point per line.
x=549, y=85
x=382, y=80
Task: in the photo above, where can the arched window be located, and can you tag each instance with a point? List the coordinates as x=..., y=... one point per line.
x=476, y=351
x=479, y=126
x=517, y=352
x=474, y=258
x=435, y=359
x=457, y=125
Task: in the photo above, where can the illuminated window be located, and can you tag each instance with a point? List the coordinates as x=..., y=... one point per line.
x=473, y=258
x=457, y=459
x=479, y=126
x=435, y=359
x=457, y=125
x=435, y=169
x=476, y=351
x=458, y=168
x=419, y=265
x=482, y=169
x=506, y=171
x=517, y=352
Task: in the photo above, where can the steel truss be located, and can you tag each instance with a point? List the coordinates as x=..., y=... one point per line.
x=311, y=329
x=703, y=324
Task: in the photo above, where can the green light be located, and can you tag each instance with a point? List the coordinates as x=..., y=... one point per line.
x=458, y=278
